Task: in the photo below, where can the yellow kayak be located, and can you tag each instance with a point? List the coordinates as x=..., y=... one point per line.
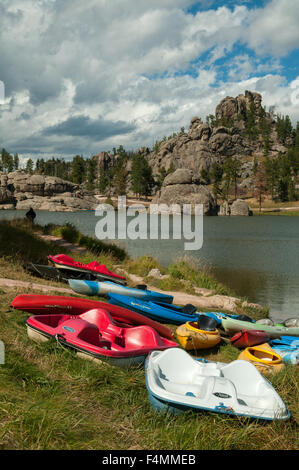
x=191, y=337
x=265, y=359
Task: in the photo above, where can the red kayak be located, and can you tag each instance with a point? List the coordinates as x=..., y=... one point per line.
x=66, y=262
x=247, y=338
x=96, y=335
x=53, y=304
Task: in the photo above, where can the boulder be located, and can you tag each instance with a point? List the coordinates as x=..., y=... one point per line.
x=180, y=176
x=43, y=193
x=240, y=207
x=5, y=195
x=38, y=185
x=187, y=194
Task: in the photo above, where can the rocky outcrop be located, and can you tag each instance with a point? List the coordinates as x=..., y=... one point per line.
x=6, y=195
x=38, y=185
x=178, y=188
x=211, y=142
x=236, y=109
x=42, y=193
x=181, y=176
x=238, y=208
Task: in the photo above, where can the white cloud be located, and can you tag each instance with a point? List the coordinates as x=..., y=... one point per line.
x=274, y=29
x=134, y=62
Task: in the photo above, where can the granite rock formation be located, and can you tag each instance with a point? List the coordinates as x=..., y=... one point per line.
x=21, y=190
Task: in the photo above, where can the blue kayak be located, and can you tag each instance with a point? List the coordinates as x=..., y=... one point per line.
x=288, y=348
x=103, y=288
x=162, y=312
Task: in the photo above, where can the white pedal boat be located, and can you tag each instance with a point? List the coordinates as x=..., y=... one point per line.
x=176, y=383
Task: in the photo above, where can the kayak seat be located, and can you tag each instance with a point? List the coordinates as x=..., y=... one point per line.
x=142, y=337
x=105, y=325
x=207, y=387
x=181, y=389
x=99, y=317
x=206, y=323
x=91, y=335
x=197, y=378
x=53, y=321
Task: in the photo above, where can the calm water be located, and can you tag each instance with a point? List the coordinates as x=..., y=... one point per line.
x=256, y=256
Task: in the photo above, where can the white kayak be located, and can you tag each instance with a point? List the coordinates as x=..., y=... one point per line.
x=176, y=382
x=85, y=287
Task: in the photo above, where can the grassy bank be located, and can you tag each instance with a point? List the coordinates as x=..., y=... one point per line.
x=183, y=274
x=290, y=213
x=51, y=399
x=70, y=233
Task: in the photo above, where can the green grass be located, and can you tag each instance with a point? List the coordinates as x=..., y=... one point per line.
x=52, y=399
x=281, y=212
x=142, y=265
x=187, y=269
x=19, y=243
x=71, y=234
x=182, y=275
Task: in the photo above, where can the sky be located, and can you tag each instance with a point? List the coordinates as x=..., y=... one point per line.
x=84, y=77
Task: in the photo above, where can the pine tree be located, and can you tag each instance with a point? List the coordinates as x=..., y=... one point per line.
x=121, y=180
x=78, y=169
x=29, y=166
x=16, y=161
x=142, y=180
x=216, y=177
x=284, y=128
x=232, y=171
x=272, y=175
x=7, y=161
x=250, y=124
x=91, y=165
x=260, y=184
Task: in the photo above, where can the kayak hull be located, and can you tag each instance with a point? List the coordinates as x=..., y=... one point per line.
x=288, y=348
x=190, y=337
x=154, y=310
x=91, y=288
x=56, y=304
x=232, y=326
x=45, y=272
x=246, y=338
x=176, y=383
x=66, y=263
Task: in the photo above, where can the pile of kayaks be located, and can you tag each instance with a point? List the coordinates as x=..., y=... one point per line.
x=129, y=329
x=63, y=268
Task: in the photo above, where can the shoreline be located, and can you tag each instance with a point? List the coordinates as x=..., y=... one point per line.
x=188, y=286
x=76, y=403
x=255, y=212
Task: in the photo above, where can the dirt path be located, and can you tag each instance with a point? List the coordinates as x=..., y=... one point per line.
x=13, y=284
x=63, y=243
x=205, y=299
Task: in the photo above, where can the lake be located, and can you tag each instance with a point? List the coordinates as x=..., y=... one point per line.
x=257, y=257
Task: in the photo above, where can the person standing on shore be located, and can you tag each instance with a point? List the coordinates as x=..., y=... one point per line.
x=31, y=215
